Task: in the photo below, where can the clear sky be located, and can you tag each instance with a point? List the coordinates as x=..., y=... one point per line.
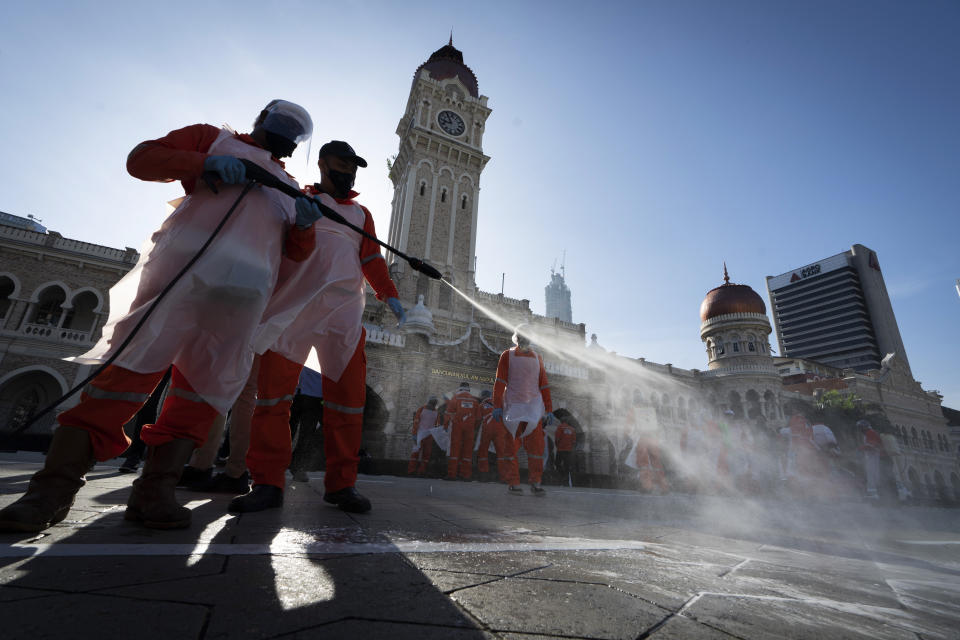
x=650, y=140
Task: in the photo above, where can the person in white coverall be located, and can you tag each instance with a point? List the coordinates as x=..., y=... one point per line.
x=326, y=296
x=203, y=327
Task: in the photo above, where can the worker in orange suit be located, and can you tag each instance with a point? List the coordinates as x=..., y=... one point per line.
x=461, y=419
x=424, y=419
x=327, y=294
x=566, y=440
x=493, y=432
x=202, y=327
x=521, y=397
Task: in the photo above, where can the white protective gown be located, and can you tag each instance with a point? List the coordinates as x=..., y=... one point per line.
x=320, y=301
x=428, y=419
x=204, y=324
x=522, y=401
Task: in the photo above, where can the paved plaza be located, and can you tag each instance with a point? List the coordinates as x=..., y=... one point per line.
x=457, y=560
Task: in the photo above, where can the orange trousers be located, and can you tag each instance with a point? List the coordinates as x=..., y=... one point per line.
x=460, y=460
x=420, y=458
x=535, y=443
x=343, y=402
x=114, y=397
x=496, y=433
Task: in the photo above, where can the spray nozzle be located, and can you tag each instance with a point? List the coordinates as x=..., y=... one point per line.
x=425, y=268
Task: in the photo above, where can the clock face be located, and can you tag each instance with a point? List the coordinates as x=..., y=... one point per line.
x=451, y=123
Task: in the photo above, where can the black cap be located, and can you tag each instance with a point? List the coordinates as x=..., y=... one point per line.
x=341, y=149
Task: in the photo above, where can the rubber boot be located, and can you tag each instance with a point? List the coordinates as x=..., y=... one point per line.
x=153, y=499
x=51, y=490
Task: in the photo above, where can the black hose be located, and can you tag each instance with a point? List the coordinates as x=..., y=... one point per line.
x=153, y=305
x=267, y=179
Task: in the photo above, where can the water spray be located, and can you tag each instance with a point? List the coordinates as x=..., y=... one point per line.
x=619, y=418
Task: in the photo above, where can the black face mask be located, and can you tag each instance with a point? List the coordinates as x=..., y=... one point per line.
x=342, y=183
x=279, y=146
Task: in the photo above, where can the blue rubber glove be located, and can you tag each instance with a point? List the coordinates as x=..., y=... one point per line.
x=498, y=414
x=230, y=170
x=398, y=311
x=548, y=419
x=307, y=212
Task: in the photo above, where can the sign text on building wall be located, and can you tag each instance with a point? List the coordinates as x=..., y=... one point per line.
x=812, y=270
x=460, y=375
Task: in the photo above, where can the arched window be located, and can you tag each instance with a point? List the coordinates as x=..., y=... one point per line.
x=82, y=316
x=423, y=288
x=443, y=195
x=446, y=300
x=48, y=308
x=7, y=287
x=463, y=202
x=423, y=187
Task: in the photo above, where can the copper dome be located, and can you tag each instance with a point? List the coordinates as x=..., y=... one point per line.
x=731, y=298
x=447, y=62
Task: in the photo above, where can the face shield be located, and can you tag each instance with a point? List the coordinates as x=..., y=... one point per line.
x=287, y=120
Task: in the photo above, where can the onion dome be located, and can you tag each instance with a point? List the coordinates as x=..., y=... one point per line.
x=731, y=298
x=419, y=319
x=447, y=62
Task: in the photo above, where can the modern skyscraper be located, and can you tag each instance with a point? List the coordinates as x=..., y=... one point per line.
x=836, y=311
x=558, y=297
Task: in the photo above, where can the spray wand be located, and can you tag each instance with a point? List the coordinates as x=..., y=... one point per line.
x=255, y=174
x=258, y=174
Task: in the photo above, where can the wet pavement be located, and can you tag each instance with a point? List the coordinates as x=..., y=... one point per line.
x=438, y=559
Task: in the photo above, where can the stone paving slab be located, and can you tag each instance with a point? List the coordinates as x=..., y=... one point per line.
x=522, y=604
x=372, y=629
x=680, y=628
x=793, y=619
x=464, y=560
x=98, y=616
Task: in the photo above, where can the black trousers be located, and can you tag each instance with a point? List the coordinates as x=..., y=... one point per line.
x=308, y=454
x=564, y=463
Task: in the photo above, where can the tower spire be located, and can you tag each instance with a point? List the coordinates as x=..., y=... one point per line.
x=451, y=36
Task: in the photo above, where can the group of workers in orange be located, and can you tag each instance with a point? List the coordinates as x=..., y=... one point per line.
x=513, y=416
x=278, y=279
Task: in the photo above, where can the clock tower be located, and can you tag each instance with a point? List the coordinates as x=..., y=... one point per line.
x=436, y=178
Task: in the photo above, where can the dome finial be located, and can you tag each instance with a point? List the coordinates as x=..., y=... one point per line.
x=451, y=36
x=726, y=277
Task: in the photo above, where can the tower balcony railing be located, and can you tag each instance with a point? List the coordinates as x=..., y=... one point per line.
x=382, y=336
